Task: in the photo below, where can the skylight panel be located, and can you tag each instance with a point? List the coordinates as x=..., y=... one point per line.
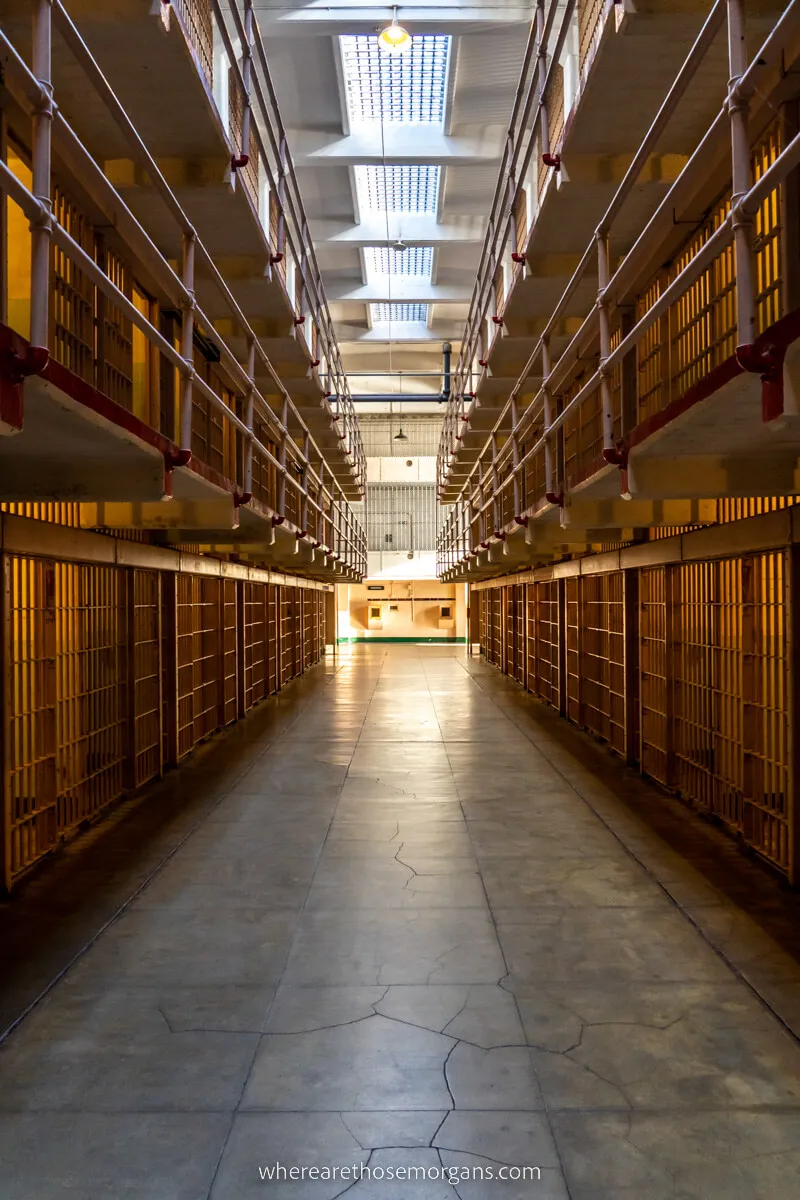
x=416, y=262
x=409, y=88
x=383, y=313
x=407, y=189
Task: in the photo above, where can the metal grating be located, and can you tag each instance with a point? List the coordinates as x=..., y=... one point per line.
x=228, y=651
x=397, y=189
x=91, y=686
x=288, y=627
x=198, y=660
x=413, y=262
x=602, y=658
x=250, y=173
x=146, y=675
x=520, y=220
x=709, y=686
x=572, y=627
x=197, y=20
x=114, y=333
x=765, y=701
x=482, y=613
x=590, y=13
x=401, y=516
x=309, y=616
x=768, y=234
x=273, y=637
x=516, y=632
x=409, y=88
x=655, y=716
x=381, y=314
x=731, y=696
x=72, y=295
x=698, y=333
x=256, y=646
x=544, y=640
x=30, y=818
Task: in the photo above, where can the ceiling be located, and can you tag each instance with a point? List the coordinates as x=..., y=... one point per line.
x=396, y=148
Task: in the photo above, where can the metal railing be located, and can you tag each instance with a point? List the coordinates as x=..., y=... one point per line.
x=528, y=130
x=256, y=128
x=495, y=488
x=312, y=498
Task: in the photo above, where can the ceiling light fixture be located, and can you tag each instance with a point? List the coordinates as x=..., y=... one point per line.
x=394, y=39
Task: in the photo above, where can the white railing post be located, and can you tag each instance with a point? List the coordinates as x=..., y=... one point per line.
x=280, y=232
x=249, y=414
x=41, y=144
x=603, y=275
x=497, y=504
x=517, y=485
x=282, y=453
x=247, y=68
x=541, y=66
x=187, y=341
x=738, y=110
x=306, y=471
x=547, y=400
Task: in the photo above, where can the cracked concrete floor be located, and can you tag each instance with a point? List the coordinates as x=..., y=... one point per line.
x=404, y=938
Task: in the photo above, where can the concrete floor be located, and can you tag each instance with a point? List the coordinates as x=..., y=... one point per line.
x=415, y=931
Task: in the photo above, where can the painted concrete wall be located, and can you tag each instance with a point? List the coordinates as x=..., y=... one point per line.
x=401, y=470
x=395, y=564
x=405, y=609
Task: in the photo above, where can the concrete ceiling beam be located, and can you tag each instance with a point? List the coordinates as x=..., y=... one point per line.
x=415, y=229
x=408, y=145
x=290, y=21
x=399, y=289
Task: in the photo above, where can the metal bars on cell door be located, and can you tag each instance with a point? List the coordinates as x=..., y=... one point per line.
x=401, y=517
x=99, y=663
x=684, y=669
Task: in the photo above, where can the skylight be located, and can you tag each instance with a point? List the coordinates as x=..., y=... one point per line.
x=415, y=261
x=383, y=313
x=408, y=88
x=412, y=189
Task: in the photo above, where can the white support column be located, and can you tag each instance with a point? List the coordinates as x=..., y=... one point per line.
x=541, y=53
x=42, y=182
x=738, y=109
x=247, y=68
x=306, y=469
x=515, y=459
x=282, y=453
x=280, y=235
x=187, y=342
x=549, y=473
x=603, y=272
x=249, y=417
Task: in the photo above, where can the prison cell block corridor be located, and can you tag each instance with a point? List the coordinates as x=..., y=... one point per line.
x=402, y=915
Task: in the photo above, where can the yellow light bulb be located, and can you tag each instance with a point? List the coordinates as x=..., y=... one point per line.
x=394, y=39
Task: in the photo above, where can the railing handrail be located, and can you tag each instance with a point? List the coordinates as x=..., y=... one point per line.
x=291, y=206
x=502, y=208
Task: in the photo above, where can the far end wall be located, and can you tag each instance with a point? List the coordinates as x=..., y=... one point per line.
x=401, y=610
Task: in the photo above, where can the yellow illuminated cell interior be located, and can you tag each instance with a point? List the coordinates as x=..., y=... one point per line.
x=18, y=250
x=142, y=362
